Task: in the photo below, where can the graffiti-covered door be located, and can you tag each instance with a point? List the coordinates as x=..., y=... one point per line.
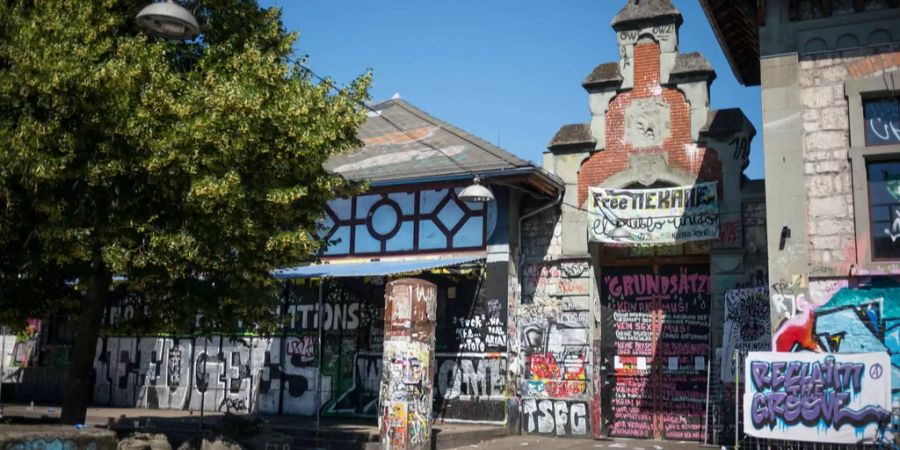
x=655, y=345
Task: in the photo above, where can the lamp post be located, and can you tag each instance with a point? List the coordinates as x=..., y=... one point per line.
x=168, y=20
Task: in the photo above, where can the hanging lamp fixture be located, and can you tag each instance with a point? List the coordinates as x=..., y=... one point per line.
x=476, y=193
x=168, y=20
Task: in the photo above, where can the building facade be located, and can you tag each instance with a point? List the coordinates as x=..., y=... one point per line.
x=589, y=300
x=622, y=307
x=829, y=73
x=328, y=358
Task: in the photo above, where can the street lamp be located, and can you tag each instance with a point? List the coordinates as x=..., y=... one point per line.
x=168, y=20
x=476, y=193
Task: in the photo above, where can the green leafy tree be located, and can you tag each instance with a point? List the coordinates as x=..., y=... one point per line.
x=180, y=174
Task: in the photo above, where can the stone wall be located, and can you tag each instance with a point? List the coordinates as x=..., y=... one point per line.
x=22, y=437
x=826, y=136
x=831, y=307
x=555, y=328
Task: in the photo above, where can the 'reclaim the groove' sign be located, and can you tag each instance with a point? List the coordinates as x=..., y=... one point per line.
x=816, y=397
x=654, y=216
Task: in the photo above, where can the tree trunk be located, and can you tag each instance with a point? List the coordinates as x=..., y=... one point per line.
x=80, y=383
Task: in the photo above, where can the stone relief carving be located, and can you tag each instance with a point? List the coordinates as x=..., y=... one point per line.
x=647, y=168
x=647, y=122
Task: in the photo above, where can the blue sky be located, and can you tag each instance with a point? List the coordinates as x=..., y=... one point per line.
x=507, y=71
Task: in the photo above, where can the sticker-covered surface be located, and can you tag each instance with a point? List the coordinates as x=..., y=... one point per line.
x=407, y=380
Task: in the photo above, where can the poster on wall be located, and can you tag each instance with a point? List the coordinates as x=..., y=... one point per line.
x=25, y=350
x=816, y=397
x=747, y=327
x=654, y=216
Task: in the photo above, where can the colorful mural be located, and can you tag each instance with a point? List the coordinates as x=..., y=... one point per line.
x=848, y=320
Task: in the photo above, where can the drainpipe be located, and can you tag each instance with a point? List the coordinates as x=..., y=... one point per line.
x=321, y=355
x=2, y=366
x=521, y=265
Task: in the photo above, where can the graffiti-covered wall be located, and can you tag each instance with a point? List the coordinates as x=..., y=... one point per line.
x=638, y=317
x=281, y=374
x=554, y=331
x=842, y=318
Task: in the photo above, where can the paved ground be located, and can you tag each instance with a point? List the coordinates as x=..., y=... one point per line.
x=546, y=443
x=452, y=433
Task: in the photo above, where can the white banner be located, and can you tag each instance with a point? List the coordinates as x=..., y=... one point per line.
x=816, y=397
x=747, y=327
x=654, y=216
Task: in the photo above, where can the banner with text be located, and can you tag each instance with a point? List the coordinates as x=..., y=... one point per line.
x=654, y=216
x=816, y=397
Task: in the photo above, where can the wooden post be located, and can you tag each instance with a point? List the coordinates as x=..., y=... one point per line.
x=407, y=379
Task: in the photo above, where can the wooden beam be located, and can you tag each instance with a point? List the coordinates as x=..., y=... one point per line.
x=761, y=12
x=793, y=10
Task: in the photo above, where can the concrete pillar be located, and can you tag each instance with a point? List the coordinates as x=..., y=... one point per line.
x=407, y=379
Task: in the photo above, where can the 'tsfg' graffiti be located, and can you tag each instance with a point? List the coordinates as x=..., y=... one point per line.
x=556, y=417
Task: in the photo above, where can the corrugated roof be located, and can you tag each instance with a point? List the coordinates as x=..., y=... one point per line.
x=736, y=25
x=643, y=10
x=576, y=134
x=390, y=154
x=371, y=268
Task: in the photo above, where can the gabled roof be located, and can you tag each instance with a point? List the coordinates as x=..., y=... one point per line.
x=573, y=135
x=637, y=11
x=392, y=155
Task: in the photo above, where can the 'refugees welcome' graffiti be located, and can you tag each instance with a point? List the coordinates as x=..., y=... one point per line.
x=839, y=398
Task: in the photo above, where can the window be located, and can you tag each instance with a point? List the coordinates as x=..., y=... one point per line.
x=884, y=208
x=875, y=157
x=882, y=121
